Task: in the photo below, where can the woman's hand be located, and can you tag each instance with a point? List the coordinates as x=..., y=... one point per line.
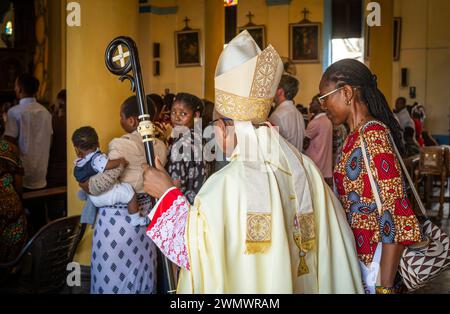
x=177, y=183
x=156, y=180
x=85, y=186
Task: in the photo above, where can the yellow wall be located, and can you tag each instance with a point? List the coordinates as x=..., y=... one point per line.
x=277, y=19
x=94, y=94
x=161, y=28
x=215, y=37
x=425, y=52
x=208, y=16
x=381, y=48
x=55, y=66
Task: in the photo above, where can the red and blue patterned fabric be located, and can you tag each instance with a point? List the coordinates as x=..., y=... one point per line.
x=397, y=222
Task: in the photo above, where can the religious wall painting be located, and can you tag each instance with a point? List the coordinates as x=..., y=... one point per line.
x=397, y=37
x=305, y=42
x=258, y=32
x=187, y=48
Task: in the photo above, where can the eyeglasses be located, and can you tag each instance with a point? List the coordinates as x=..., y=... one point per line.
x=322, y=98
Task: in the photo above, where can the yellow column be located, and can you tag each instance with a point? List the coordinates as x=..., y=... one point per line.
x=94, y=94
x=381, y=49
x=214, y=40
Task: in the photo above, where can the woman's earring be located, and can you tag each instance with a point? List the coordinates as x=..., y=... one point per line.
x=348, y=103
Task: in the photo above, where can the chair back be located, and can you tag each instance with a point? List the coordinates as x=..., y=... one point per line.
x=447, y=157
x=50, y=251
x=432, y=160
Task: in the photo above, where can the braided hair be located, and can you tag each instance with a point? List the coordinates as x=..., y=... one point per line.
x=192, y=101
x=356, y=74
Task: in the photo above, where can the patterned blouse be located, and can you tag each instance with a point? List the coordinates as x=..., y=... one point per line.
x=13, y=223
x=186, y=164
x=397, y=223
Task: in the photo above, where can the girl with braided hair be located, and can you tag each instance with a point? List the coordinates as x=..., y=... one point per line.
x=349, y=94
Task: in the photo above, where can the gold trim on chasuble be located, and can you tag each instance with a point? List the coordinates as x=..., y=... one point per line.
x=256, y=107
x=259, y=227
x=304, y=237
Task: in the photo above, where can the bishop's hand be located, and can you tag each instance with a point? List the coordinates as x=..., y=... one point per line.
x=156, y=180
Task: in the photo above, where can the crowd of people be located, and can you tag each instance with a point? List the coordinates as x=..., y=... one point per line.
x=26, y=139
x=348, y=119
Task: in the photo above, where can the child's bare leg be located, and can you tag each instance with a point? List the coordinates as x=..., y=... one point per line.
x=133, y=206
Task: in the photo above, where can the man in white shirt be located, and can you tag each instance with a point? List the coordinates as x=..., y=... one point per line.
x=286, y=116
x=402, y=114
x=29, y=124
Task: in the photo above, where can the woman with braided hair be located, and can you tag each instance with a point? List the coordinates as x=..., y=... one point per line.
x=349, y=94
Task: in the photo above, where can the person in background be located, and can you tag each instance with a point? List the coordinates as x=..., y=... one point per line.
x=411, y=146
x=419, y=110
x=168, y=101
x=428, y=139
x=286, y=116
x=13, y=221
x=402, y=114
x=185, y=163
x=318, y=142
x=208, y=112
x=304, y=111
x=57, y=165
x=212, y=163
x=29, y=125
x=4, y=115
x=418, y=128
x=158, y=111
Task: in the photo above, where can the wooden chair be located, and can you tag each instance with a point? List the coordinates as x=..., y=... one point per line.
x=45, y=194
x=42, y=263
x=433, y=163
x=447, y=158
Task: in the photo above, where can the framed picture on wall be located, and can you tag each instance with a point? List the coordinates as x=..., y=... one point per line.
x=397, y=37
x=305, y=42
x=258, y=33
x=187, y=48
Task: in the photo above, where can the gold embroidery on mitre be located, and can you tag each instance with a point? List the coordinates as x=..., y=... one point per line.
x=259, y=228
x=305, y=238
x=241, y=108
x=265, y=71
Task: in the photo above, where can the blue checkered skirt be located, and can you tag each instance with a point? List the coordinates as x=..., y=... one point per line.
x=123, y=257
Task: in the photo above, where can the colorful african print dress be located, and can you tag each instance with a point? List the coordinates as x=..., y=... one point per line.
x=397, y=222
x=13, y=222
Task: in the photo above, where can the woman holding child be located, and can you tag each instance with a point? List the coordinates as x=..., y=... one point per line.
x=123, y=258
